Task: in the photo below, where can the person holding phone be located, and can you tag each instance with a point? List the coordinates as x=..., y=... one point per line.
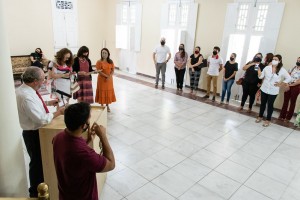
x=37, y=57
x=61, y=73
x=275, y=76
x=83, y=67
x=251, y=81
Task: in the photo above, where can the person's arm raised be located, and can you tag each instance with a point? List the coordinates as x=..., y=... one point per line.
x=100, y=131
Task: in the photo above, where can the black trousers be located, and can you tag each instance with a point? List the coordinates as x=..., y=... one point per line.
x=179, y=77
x=38, y=64
x=249, y=90
x=267, y=99
x=36, y=176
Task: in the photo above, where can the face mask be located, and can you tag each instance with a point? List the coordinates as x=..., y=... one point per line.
x=180, y=48
x=162, y=43
x=298, y=64
x=87, y=126
x=231, y=58
x=215, y=52
x=257, y=59
x=275, y=62
x=196, y=52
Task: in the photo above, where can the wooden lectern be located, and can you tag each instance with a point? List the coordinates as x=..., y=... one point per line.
x=98, y=115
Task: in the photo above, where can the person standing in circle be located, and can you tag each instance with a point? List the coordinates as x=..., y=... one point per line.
x=83, y=67
x=291, y=94
x=105, y=93
x=180, y=60
x=159, y=57
x=230, y=69
x=194, y=68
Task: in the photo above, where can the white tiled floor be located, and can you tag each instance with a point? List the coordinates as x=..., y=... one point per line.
x=170, y=147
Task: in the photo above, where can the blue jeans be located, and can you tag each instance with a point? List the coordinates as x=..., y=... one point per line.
x=227, y=87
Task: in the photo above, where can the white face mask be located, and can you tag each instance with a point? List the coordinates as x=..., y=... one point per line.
x=275, y=62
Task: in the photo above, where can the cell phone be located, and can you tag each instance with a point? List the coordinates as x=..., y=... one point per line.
x=256, y=67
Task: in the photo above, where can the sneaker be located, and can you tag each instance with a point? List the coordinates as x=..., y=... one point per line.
x=156, y=86
x=227, y=102
x=206, y=97
x=221, y=102
x=163, y=86
x=214, y=98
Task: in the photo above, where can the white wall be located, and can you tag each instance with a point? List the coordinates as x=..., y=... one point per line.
x=12, y=167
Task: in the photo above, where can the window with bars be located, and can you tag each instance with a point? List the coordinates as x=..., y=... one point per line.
x=261, y=17
x=132, y=14
x=242, y=17
x=184, y=15
x=172, y=14
x=128, y=14
x=124, y=14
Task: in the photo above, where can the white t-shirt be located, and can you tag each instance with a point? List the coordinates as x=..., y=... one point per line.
x=214, y=65
x=161, y=53
x=32, y=114
x=270, y=79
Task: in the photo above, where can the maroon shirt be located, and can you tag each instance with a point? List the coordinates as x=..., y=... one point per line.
x=76, y=165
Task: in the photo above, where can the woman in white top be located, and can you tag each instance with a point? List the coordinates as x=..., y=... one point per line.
x=291, y=94
x=275, y=76
x=61, y=73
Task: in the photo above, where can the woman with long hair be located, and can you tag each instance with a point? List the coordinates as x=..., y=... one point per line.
x=61, y=73
x=83, y=67
x=180, y=60
x=194, y=68
x=105, y=89
x=291, y=93
x=251, y=81
x=273, y=75
x=230, y=69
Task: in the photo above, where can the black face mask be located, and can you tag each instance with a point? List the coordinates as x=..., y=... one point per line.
x=215, y=52
x=231, y=58
x=298, y=64
x=162, y=43
x=180, y=48
x=257, y=59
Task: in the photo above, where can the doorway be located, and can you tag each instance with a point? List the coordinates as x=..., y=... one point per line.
x=250, y=27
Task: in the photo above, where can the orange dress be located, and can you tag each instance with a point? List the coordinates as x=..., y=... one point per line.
x=105, y=88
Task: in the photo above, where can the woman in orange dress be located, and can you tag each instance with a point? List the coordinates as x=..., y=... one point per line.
x=105, y=89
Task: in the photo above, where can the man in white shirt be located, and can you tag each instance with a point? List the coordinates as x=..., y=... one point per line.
x=160, y=60
x=215, y=65
x=33, y=114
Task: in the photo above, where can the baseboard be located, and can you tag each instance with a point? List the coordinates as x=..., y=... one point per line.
x=145, y=75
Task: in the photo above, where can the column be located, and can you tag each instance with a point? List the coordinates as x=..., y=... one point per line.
x=12, y=168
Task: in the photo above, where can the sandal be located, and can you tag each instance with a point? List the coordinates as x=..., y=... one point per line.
x=258, y=119
x=266, y=124
x=108, y=109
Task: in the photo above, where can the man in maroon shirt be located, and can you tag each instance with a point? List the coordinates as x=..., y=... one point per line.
x=75, y=162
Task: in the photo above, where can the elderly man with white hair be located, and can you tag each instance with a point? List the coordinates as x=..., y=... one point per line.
x=160, y=60
x=34, y=114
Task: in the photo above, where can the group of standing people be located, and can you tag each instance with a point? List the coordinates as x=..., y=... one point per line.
x=65, y=69
x=263, y=78
x=34, y=114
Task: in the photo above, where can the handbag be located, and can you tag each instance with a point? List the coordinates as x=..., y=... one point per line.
x=240, y=81
x=74, y=86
